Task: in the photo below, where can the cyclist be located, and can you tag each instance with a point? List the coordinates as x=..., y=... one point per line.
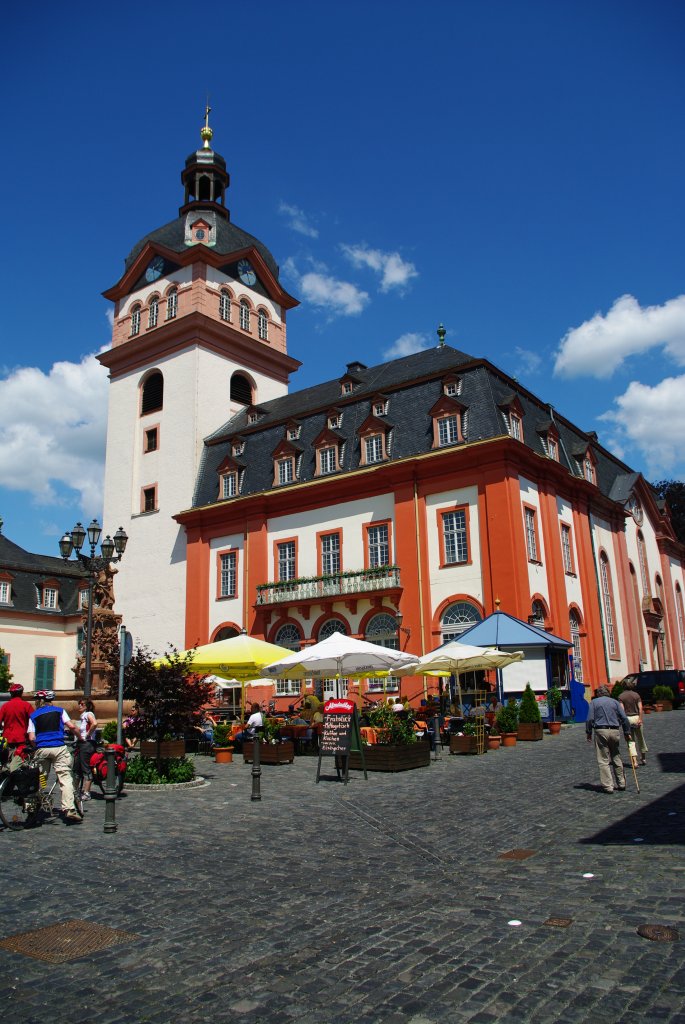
x=14, y=721
x=46, y=729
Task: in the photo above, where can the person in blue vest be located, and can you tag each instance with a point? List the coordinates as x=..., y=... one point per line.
x=46, y=729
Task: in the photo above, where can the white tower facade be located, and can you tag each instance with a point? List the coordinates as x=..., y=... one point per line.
x=199, y=334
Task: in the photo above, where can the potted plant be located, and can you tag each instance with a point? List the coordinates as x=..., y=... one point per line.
x=663, y=698
x=553, y=702
x=494, y=737
x=507, y=722
x=466, y=741
x=272, y=749
x=397, y=748
x=221, y=743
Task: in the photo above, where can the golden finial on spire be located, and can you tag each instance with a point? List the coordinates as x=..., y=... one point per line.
x=206, y=132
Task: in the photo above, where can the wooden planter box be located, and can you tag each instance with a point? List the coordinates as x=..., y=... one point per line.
x=465, y=745
x=270, y=753
x=529, y=731
x=392, y=758
x=167, y=748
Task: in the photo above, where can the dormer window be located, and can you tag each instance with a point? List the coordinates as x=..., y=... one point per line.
x=225, y=305
x=373, y=449
x=347, y=387
x=449, y=422
x=5, y=592
x=83, y=598
x=229, y=484
x=49, y=596
x=135, y=320
x=552, y=447
x=285, y=470
x=238, y=447
x=252, y=417
x=328, y=460
x=172, y=304
x=451, y=387
x=262, y=326
x=515, y=425
x=448, y=430
x=334, y=421
x=588, y=470
x=244, y=315
x=380, y=408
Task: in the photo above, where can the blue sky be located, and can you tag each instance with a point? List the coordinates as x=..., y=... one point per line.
x=513, y=170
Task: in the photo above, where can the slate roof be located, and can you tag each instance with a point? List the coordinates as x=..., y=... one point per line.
x=229, y=239
x=29, y=571
x=412, y=385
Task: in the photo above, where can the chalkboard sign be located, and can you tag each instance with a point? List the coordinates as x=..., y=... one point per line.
x=340, y=735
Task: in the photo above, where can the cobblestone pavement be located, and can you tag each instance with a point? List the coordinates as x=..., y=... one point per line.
x=380, y=902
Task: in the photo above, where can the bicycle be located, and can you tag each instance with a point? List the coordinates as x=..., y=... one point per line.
x=31, y=799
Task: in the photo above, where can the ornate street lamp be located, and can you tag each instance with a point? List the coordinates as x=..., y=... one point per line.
x=73, y=542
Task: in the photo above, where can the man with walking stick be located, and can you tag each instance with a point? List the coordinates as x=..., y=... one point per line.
x=607, y=719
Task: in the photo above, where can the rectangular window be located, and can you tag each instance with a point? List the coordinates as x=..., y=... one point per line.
x=288, y=687
x=229, y=485
x=80, y=633
x=330, y=554
x=455, y=539
x=552, y=449
x=327, y=460
x=149, y=499
x=172, y=305
x=515, y=426
x=82, y=599
x=228, y=574
x=4, y=593
x=285, y=471
x=49, y=597
x=44, y=674
x=566, y=549
x=531, y=535
x=286, y=560
x=379, y=546
x=374, y=448
x=151, y=439
x=447, y=430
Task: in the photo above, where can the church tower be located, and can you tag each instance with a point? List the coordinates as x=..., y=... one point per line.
x=199, y=334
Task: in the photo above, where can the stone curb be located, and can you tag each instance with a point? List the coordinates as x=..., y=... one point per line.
x=193, y=784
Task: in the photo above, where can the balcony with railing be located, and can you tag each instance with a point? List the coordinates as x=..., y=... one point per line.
x=328, y=588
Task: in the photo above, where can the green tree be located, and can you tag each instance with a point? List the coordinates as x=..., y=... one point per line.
x=673, y=493
x=5, y=674
x=529, y=710
x=167, y=694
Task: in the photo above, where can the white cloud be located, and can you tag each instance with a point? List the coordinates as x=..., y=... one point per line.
x=297, y=220
x=652, y=419
x=53, y=431
x=599, y=346
x=319, y=288
x=395, y=272
x=528, y=362
x=407, y=344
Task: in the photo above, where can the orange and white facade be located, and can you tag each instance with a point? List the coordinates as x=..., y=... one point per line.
x=380, y=492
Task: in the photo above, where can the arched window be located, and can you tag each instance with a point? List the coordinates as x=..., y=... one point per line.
x=226, y=633
x=289, y=636
x=663, y=632
x=153, y=393
x=153, y=311
x=638, y=615
x=457, y=618
x=382, y=630
x=331, y=626
x=574, y=627
x=225, y=305
x=681, y=620
x=262, y=325
x=538, y=614
x=244, y=315
x=608, y=602
x=135, y=320
x=172, y=304
x=241, y=390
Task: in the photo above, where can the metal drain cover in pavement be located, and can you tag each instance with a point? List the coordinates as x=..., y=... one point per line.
x=517, y=854
x=70, y=940
x=558, y=922
x=658, y=932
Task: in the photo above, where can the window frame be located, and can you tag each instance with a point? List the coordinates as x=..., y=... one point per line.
x=49, y=588
x=224, y=487
x=369, y=547
x=153, y=312
x=378, y=442
x=331, y=451
x=147, y=448
x=449, y=420
x=40, y=682
x=144, y=493
x=244, y=315
x=172, y=304
x=515, y=425
x=262, y=325
x=281, y=478
x=227, y=555
x=225, y=298
x=6, y=588
x=321, y=537
x=136, y=311
x=461, y=509
x=532, y=537
x=566, y=533
x=279, y=545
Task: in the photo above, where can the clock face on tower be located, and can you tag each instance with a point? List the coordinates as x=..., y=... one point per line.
x=154, y=269
x=246, y=272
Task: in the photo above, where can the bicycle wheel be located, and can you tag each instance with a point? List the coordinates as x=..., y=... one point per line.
x=16, y=811
x=78, y=800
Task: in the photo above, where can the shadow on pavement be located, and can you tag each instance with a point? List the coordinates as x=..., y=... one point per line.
x=659, y=823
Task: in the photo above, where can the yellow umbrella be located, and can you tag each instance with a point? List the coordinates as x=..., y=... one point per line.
x=239, y=657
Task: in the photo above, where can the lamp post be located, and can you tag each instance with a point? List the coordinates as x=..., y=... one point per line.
x=73, y=541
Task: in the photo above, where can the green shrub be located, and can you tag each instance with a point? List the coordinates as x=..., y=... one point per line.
x=394, y=728
x=553, y=700
x=109, y=732
x=662, y=693
x=222, y=735
x=616, y=690
x=146, y=771
x=529, y=710
x=469, y=729
x=508, y=717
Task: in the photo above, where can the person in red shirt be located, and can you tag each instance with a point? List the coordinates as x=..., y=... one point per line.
x=14, y=721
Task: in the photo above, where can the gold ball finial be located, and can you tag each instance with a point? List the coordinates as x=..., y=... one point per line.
x=206, y=132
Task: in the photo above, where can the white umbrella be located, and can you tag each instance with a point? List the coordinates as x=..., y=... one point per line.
x=452, y=658
x=340, y=656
